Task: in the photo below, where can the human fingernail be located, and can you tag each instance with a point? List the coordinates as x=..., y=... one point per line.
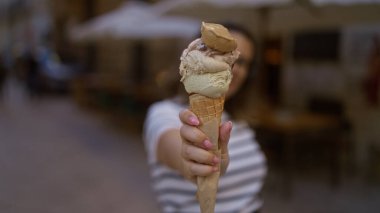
x=207, y=144
x=229, y=126
x=193, y=120
x=215, y=168
x=216, y=160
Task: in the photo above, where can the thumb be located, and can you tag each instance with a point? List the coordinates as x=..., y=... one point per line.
x=224, y=136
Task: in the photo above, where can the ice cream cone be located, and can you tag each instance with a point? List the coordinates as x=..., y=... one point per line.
x=209, y=112
x=206, y=74
x=206, y=108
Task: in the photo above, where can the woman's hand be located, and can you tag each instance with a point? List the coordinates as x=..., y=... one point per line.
x=196, y=158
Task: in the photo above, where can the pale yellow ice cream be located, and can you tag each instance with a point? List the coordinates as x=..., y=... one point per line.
x=206, y=71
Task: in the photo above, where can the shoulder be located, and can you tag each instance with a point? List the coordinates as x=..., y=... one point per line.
x=164, y=112
x=168, y=105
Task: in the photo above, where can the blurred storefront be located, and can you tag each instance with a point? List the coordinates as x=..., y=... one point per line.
x=312, y=55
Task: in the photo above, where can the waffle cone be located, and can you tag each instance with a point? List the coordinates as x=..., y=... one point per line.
x=206, y=108
x=209, y=112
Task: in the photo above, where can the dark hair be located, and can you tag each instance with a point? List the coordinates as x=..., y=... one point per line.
x=239, y=29
x=239, y=100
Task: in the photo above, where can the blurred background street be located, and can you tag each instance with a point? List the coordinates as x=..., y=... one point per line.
x=56, y=157
x=77, y=77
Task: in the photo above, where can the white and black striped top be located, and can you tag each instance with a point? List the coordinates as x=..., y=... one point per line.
x=238, y=189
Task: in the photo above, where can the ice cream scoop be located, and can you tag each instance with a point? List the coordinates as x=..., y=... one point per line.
x=216, y=36
x=207, y=70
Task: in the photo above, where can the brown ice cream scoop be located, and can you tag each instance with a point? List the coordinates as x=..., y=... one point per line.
x=217, y=37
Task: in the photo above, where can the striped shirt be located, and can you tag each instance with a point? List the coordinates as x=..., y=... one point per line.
x=238, y=188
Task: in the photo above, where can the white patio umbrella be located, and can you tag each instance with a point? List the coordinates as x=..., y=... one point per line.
x=344, y=2
x=172, y=5
x=104, y=25
x=134, y=20
x=161, y=26
x=167, y=6
x=252, y=3
x=223, y=10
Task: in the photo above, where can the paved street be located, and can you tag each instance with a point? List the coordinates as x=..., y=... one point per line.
x=58, y=158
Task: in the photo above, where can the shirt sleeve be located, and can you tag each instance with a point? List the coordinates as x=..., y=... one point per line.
x=161, y=117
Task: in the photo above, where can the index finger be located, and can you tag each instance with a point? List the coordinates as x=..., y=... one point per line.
x=188, y=117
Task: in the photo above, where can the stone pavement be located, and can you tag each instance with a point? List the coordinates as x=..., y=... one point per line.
x=58, y=158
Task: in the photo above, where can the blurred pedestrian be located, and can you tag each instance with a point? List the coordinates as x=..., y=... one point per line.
x=3, y=75
x=372, y=82
x=33, y=77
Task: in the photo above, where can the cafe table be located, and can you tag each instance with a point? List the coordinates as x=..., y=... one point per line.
x=293, y=127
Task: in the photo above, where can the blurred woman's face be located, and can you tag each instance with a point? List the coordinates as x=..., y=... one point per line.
x=241, y=67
